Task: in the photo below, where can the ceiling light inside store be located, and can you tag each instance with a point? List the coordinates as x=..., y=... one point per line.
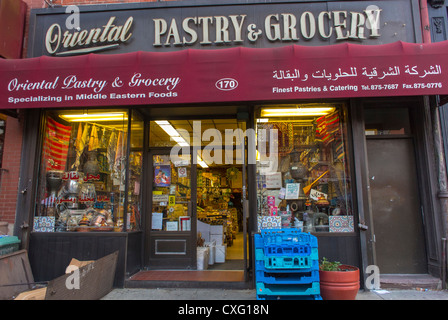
x=296, y=112
x=173, y=133
x=168, y=128
x=106, y=116
x=201, y=162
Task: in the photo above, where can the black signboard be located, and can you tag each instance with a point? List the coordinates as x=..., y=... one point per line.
x=172, y=26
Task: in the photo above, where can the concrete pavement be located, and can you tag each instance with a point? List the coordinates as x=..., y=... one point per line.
x=248, y=294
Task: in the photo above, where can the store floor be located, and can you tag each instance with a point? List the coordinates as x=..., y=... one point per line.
x=230, y=273
x=234, y=256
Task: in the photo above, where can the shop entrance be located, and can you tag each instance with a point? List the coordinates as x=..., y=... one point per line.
x=395, y=201
x=196, y=177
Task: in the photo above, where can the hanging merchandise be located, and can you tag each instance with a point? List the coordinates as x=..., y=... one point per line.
x=111, y=150
x=119, y=167
x=80, y=145
x=104, y=137
x=232, y=173
x=94, y=142
x=321, y=129
x=332, y=122
x=57, y=140
x=78, y=138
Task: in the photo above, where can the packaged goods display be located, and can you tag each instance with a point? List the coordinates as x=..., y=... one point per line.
x=82, y=180
x=305, y=179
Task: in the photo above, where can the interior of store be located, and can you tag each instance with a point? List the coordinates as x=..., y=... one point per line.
x=309, y=186
x=218, y=183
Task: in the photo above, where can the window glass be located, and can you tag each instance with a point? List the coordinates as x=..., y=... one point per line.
x=171, y=194
x=219, y=175
x=82, y=175
x=386, y=121
x=135, y=173
x=303, y=177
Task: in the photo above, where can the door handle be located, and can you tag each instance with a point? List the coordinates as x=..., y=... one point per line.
x=363, y=227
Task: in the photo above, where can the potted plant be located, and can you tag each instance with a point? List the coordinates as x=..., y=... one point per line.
x=338, y=281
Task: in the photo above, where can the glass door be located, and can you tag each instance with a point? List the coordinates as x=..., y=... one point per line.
x=198, y=184
x=172, y=239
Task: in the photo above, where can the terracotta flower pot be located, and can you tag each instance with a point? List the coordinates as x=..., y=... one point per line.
x=339, y=285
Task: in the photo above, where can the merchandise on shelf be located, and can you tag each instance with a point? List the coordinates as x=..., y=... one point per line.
x=311, y=182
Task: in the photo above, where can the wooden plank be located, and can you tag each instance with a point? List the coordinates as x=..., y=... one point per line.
x=95, y=281
x=15, y=274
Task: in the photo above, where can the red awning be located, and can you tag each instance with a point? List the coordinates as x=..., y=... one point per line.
x=225, y=75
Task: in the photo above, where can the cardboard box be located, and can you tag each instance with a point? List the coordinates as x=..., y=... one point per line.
x=217, y=229
x=76, y=264
x=202, y=258
x=218, y=238
x=204, y=229
x=220, y=253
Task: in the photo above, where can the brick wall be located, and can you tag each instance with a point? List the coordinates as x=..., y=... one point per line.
x=11, y=162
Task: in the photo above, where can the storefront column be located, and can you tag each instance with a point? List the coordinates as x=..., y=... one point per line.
x=28, y=172
x=365, y=227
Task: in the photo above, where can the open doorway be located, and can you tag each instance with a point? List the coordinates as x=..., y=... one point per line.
x=196, y=215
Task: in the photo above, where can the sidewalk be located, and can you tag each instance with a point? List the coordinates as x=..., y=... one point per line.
x=220, y=294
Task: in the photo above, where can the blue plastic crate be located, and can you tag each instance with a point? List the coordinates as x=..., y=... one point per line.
x=287, y=261
x=287, y=236
x=303, y=297
x=262, y=264
x=290, y=277
x=288, y=289
x=288, y=249
x=260, y=255
x=8, y=244
x=258, y=241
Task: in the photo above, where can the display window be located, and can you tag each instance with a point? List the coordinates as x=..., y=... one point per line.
x=86, y=169
x=303, y=176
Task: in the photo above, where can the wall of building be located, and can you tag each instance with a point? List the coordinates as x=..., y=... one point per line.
x=10, y=174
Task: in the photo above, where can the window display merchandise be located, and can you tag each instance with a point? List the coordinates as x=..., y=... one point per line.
x=82, y=184
x=309, y=185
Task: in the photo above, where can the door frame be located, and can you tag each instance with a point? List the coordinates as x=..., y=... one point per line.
x=421, y=124
x=417, y=211
x=166, y=260
x=149, y=262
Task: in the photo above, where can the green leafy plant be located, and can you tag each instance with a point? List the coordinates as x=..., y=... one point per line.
x=326, y=265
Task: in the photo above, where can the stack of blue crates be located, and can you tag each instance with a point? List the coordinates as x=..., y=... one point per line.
x=286, y=265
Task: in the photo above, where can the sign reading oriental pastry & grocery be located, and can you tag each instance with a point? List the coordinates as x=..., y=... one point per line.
x=226, y=75
x=178, y=25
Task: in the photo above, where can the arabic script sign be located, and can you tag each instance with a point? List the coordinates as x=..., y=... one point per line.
x=228, y=75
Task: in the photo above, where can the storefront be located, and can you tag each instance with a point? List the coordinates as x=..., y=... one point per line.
x=282, y=114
